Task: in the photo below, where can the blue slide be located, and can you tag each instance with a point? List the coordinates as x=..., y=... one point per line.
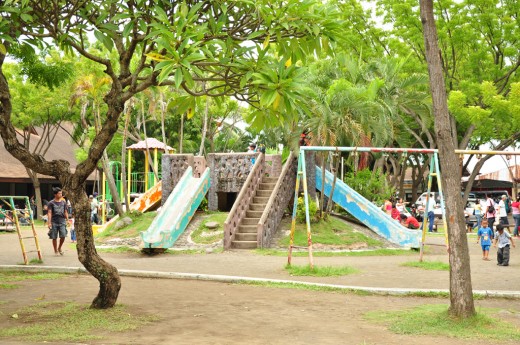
x=368, y=213
x=177, y=211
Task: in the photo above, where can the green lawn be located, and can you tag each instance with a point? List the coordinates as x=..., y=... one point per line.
x=140, y=222
x=320, y=271
x=333, y=231
x=434, y=320
x=203, y=235
x=428, y=265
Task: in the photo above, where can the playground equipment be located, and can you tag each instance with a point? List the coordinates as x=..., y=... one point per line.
x=145, y=186
x=16, y=215
x=362, y=210
x=177, y=211
x=368, y=213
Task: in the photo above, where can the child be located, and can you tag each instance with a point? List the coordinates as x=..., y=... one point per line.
x=504, y=240
x=72, y=230
x=409, y=222
x=484, y=235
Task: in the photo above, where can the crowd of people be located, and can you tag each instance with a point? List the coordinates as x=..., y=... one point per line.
x=487, y=212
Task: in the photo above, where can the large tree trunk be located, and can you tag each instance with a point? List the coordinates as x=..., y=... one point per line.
x=105, y=273
x=461, y=293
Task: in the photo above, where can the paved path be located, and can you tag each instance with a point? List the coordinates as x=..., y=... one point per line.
x=375, y=271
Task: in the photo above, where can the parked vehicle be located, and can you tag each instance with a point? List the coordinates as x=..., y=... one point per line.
x=494, y=194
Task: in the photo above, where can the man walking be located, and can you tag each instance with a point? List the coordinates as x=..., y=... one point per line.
x=57, y=218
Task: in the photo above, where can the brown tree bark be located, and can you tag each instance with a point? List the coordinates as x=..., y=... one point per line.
x=461, y=292
x=73, y=185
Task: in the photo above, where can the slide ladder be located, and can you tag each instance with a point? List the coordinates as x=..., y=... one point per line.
x=177, y=211
x=368, y=213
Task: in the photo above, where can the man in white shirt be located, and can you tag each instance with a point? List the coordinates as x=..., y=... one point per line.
x=501, y=210
x=431, y=215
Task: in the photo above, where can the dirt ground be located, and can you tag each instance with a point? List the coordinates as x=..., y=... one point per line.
x=194, y=312
x=198, y=312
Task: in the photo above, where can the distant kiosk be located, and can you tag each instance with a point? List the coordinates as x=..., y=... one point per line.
x=146, y=146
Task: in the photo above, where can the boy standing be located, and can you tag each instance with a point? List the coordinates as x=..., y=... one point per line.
x=57, y=218
x=485, y=234
x=504, y=241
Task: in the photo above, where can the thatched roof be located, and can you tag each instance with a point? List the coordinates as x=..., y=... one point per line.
x=62, y=147
x=152, y=143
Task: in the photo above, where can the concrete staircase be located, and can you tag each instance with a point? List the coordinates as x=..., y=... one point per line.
x=246, y=235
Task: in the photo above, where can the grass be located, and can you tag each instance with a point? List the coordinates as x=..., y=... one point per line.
x=376, y=252
x=71, y=322
x=18, y=276
x=304, y=287
x=140, y=222
x=35, y=261
x=428, y=265
x=118, y=250
x=320, y=271
x=198, y=235
x=435, y=320
x=332, y=231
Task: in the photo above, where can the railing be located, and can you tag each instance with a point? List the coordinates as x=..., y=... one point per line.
x=280, y=197
x=241, y=205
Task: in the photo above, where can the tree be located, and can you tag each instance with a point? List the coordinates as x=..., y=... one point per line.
x=160, y=43
x=38, y=88
x=461, y=292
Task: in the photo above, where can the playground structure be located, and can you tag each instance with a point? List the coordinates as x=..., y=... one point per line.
x=177, y=211
x=17, y=216
x=361, y=208
x=187, y=179
x=145, y=188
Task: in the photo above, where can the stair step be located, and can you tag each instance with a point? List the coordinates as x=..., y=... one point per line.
x=266, y=186
x=250, y=221
x=257, y=207
x=247, y=229
x=243, y=244
x=245, y=237
x=270, y=180
x=264, y=193
x=254, y=214
x=260, y=200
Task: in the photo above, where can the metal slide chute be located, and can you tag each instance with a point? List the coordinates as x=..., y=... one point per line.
x=368, y=213
x=177, y=211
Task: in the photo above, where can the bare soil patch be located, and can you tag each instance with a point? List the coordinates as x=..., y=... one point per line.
x=195, y=312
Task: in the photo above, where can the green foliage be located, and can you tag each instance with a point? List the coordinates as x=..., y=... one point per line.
x=371, y=185
x=320, y=271
x=495, y=116
x=435, y=320
x=71, y=322
x=313, y=211
x=18, y=276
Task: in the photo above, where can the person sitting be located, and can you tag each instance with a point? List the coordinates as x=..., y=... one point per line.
x=409, y=222
x=469, y=223
x=395, y=213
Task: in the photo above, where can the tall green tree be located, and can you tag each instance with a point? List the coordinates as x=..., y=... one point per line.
x=228, y=43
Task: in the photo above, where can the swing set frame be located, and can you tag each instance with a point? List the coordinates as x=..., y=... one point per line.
x=434, y=171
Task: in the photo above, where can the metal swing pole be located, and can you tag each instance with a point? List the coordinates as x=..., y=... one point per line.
x=441, y=194
x=301, y=175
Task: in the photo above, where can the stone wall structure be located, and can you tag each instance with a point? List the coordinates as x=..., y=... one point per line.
x=228, y=172
x=173, y=166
